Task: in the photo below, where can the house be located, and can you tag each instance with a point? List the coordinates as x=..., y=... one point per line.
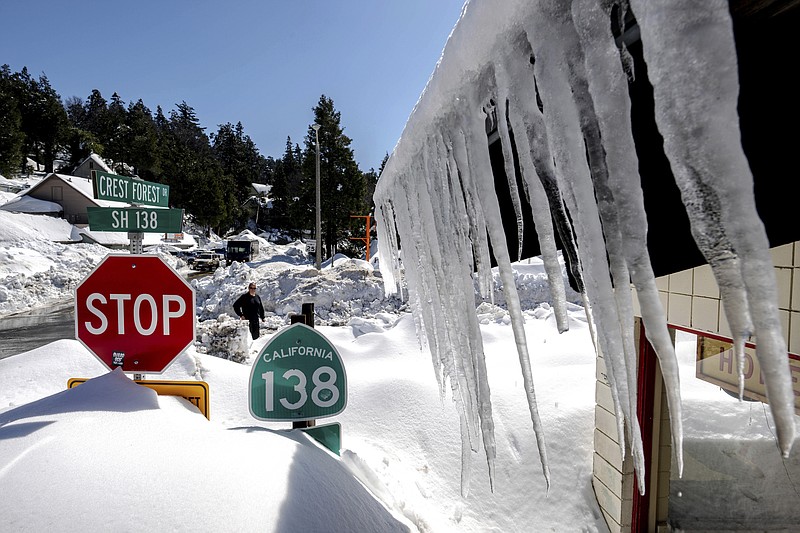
x=262, y=192
x=73, y=193
x=92, y=162
x=32, y=166
x=532, y=111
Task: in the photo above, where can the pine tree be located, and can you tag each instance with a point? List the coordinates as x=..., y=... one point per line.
x=342, y=184
x=95, y=120
x=143, y=141
x=239, y=159
x=80, y=142
x=196, y=179
x=11, y=136
x=118, y=142
x=278, y=217
x=42, y=117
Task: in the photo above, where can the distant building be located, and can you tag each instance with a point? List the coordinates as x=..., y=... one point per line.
x=74, y=194
x=92, y=162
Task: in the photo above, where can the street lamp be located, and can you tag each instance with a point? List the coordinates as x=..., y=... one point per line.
x=319, y=216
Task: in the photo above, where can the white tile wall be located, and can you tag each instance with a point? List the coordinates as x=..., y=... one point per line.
x=687, y=296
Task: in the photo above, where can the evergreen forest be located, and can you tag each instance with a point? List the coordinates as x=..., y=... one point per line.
x=210, y=175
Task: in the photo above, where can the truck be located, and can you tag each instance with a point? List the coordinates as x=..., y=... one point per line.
x=242, y=251
x=208, y=261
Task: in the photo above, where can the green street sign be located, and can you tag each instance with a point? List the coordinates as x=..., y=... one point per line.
x=297, y=376
x=135, y=219
x=124, y=189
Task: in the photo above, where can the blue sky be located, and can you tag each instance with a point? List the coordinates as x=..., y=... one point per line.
x=262, y=62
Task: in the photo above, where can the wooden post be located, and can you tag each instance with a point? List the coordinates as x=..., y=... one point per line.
x=306, y=317
x=308, y=313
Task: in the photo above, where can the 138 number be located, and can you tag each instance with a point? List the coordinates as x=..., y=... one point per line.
x=324, y=394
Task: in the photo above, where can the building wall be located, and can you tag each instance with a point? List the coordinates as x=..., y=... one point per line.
x=54, y=189
x=691, y=299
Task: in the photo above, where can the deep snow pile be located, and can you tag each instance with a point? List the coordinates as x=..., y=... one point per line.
x=39, y=273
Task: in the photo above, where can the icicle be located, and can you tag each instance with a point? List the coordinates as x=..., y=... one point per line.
x=524, y=116
x=691, y=58
x=479, y=161
x=608, y=86
x=388, y=249
x=500, y=111
x=480, y=244
x=550, y=25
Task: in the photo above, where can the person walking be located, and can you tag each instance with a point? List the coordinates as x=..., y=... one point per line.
x=248, y=307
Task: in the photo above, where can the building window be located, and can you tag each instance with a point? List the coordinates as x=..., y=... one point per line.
x=57, y=193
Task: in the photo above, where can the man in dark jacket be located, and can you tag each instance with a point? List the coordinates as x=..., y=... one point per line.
x=248, y=307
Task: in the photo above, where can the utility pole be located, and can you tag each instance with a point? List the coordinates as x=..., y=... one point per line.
x=319, y=206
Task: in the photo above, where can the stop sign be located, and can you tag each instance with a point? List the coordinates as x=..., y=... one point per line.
x=136, y=312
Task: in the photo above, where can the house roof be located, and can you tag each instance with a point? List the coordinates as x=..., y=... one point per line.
x=262, y=188
x=81, y=185
x=98, y=161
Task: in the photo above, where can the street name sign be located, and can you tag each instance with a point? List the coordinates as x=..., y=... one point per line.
x=297, y=376
x=133, y=191
x=135, y=219
x=135, y=312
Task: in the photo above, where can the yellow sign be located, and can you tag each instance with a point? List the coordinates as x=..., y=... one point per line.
x=716, y=363
x=194, y=391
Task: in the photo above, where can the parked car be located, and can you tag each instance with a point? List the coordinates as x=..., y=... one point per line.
x=206, y=261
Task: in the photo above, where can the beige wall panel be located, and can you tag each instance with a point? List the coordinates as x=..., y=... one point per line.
x=662, y=283
x=602, y=396
x=608, y=449
x=783, y=278
x=606, y=422
x=784, y=315
x=613, y=525
x=705, y=313
x=681, y=282
x=680, y=309
x=783, y=256
x=601, y=373
x=794, y=333
x=704, y=282
x=795, y=298
x=605, y=472
x=608, y=501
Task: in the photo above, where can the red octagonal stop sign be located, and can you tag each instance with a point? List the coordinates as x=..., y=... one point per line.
x=135, y=311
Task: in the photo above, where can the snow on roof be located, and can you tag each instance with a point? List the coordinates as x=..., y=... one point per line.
x=30, y=163
x=262, y=188
x=98, y=161
x=82, y=185
x=27, y=204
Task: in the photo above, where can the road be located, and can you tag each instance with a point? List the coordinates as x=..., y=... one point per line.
x=26, y=331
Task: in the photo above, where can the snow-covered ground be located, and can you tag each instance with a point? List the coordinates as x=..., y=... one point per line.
x=109, y=456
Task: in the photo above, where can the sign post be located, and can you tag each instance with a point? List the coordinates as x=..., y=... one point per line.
x=297, y=376
x=135, y=312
